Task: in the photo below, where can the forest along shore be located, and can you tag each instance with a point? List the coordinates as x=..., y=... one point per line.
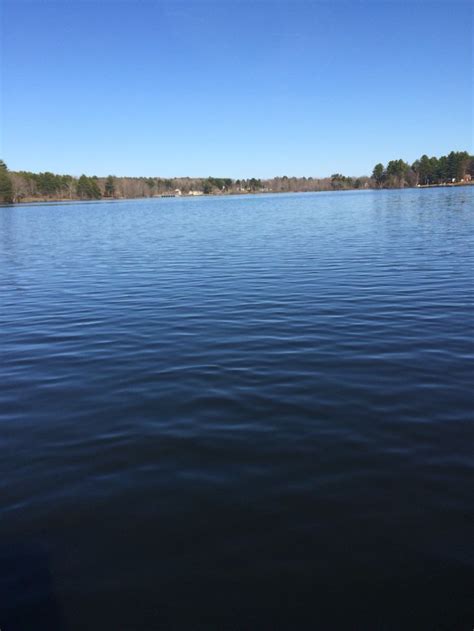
x=454, y=169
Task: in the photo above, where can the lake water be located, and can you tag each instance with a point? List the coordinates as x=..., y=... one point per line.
x=238, y=413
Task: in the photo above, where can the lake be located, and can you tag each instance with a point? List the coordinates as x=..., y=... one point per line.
x=233, y=413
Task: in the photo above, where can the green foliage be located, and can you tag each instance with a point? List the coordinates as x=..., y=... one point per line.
x=214, y=184
x=443, y=170
x=447, y=169
x=48, y=184
x=379, y=174
x=254, y=184
x=110, y=186
x=164, y=185
x=397, y=168
x=339, y=181
x=457, y=162
x=87, y=188
x=6, y=187
x=425, y=171
x=206, y=187
x=424, y=168
x=470, y=166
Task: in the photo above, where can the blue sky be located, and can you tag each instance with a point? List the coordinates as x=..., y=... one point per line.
x=234, y=89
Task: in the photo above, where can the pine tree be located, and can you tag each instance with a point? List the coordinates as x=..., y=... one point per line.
x=6, y=187
x=379, y=174
x=110, y=186
x=87, y=188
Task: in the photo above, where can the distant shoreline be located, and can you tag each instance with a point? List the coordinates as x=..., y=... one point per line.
x=454, y=169
x=69, y=200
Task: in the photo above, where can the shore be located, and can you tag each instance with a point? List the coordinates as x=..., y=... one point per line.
x=52, y=199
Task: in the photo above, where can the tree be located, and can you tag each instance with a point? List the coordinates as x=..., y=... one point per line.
x=424, y=169
x=87, y=188
x=379, y=174
x=458, y=162
x=207, y=187
x=440, y=167
x=339, y=181
x=470, y=166
x=396, y=172
x=18, y=185
x=150, y=182
x=48, y=183
x=6, y=187
x=110, y=186
x=68, y=185
x=255, y=184
x=452, y=166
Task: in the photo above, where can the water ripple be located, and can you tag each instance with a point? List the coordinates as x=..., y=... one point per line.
x=259, y=407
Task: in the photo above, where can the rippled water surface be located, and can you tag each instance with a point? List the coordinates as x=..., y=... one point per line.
x=238, y=413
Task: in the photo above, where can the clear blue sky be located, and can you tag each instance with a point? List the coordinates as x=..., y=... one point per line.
x=234, y=89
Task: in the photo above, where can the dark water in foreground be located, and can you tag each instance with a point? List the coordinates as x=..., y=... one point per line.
x=238, y=413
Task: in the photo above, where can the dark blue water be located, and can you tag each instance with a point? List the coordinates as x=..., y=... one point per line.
x=238, y=413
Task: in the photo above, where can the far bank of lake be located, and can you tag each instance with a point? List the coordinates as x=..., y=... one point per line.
x=54, y=200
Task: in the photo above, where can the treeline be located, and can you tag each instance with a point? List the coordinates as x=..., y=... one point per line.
x=456, y=167
x=26, y=186
x=17, y=186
